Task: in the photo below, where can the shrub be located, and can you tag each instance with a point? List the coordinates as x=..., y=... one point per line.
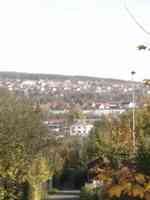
x=125, y=183
x=53, y=191
x=143, y=157
x=88, y=192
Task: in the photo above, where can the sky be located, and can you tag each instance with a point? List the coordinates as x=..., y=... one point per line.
x=75, y=37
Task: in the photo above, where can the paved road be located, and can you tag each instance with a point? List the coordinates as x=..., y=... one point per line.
x=65, y=195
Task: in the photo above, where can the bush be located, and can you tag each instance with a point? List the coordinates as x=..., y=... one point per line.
x=126, y=183
x=53, y=191
x=10, y=193
x=89, y=193
x=143, y=157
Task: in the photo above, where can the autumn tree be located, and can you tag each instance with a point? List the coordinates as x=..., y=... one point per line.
x=111, y=138
x=23, y=136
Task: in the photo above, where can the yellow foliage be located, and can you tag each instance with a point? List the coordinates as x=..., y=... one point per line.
x=104, y=177
x=126, y=181
x=115, y=190
x=140, y=178
x=127, y=186
x=39, y=172
x=147, y=187
x=138, y=191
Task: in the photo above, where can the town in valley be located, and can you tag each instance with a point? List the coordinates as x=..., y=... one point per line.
x=60, y=95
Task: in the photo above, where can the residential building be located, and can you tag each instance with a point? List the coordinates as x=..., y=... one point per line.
x=80, y=129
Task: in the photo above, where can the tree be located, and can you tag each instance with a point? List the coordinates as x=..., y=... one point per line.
x=23, y=137
x=74, y=114
x=111, y=138
x=73, y=171
x=38, y=173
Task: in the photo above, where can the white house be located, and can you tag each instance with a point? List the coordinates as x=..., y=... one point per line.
x=80, y=129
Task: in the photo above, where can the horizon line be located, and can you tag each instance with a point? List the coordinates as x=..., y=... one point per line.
x=67, y=75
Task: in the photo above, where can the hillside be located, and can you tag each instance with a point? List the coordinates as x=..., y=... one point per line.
x=38, y=76
x=63, y=91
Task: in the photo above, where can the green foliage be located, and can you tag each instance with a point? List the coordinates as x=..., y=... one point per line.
x=75, y=114
x=53, y=191
x=126, y=176
x=9, y=194
x=89, y=193
x=22, y=136
x=69, y=152
x=39, y=171
x=72, y=167
x=111, y=138
x=143, y=123
x=143, y=157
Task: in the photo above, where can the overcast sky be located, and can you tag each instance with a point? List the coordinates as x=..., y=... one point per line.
x=77, y=37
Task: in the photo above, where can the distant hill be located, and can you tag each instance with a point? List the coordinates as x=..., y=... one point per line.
x=37, y=76
x=93, y=89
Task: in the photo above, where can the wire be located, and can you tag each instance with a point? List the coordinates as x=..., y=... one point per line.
x=135, y=20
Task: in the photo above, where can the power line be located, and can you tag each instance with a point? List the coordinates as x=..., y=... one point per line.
x=135, y=20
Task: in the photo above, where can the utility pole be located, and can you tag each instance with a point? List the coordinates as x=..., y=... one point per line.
x=133, y=111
